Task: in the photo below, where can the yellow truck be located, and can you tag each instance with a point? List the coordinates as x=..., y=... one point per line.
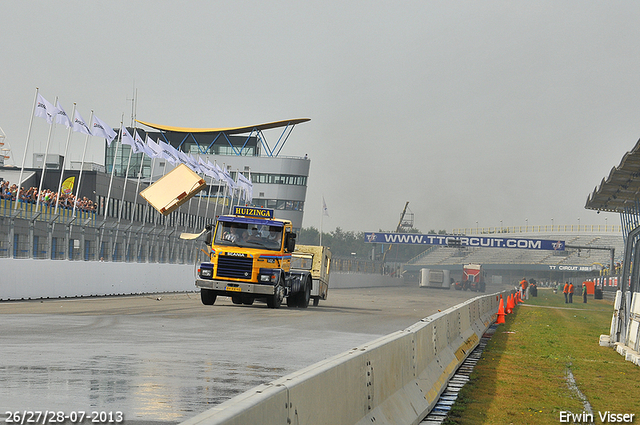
x=248, y=258
x=317, y=261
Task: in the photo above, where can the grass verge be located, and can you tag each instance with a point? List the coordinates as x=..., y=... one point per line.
x=521, y=377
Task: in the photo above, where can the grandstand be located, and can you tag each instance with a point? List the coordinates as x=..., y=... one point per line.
x=507, y=265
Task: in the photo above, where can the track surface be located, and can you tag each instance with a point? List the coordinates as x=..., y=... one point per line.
x=164, y=358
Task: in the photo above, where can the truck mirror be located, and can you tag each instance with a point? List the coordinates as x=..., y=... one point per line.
x=208, y=235
x=291, y=242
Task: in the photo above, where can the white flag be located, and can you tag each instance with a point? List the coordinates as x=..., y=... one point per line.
x=169, y=152
x=79, y=124
x=101, y=129
x=61, y=116
x=127, y=139
x=153, y=149
x=45, y=110
x=325, y=211
x=227, y=177
x=139, y=144
x=246, y=186
x=214, y=170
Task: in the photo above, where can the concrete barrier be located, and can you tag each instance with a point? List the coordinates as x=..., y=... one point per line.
x=394, y=379
x=33, y=279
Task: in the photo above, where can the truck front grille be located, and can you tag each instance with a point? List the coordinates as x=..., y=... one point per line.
x=234, y=267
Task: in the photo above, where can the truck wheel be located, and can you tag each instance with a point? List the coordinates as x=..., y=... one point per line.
x=292, y=301
x=275, y=300
x=304, y=296
x=247, y=300
x=236, y=299
x=207, y=297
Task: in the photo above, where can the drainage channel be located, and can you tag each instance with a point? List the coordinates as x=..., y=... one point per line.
x=449, y=396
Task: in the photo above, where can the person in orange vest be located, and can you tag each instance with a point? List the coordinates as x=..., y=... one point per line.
x=571, y=293
x=523, y=285
x=565, y=291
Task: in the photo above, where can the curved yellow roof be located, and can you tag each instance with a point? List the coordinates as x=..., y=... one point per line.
x=230, y=130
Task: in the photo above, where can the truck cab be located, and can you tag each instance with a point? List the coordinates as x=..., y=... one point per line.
x=248, y=258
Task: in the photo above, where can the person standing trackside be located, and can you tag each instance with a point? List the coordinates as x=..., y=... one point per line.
x=584, y=293
x=571, y=293
x=565, y=291
x=523, y=285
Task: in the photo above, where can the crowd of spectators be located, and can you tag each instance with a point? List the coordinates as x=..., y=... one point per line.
x=47, y=197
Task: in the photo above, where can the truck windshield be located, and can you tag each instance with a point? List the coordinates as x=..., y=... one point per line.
x=249, y=235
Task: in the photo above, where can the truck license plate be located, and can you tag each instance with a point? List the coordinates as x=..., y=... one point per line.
x=233, y=288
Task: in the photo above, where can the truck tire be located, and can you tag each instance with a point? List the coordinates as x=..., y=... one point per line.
x=236, y=299
x=207, y=297
x=275, y=300
x=247, y=300
x=304, y=295
x=292, y=301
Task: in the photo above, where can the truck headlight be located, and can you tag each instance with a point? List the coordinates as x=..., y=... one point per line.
x=265, y=278
x=205, y=272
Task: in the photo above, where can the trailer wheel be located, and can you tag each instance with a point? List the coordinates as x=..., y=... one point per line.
x=207, y=297
x=275, y=300
x=305, y=295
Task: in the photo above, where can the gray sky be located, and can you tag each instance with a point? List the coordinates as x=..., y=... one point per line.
x=471, y=111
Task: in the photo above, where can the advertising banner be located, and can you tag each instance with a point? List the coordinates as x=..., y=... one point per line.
x=460, y=240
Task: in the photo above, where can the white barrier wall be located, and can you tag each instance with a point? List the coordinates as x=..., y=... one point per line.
x=395, y=379
x=31, y=279
x=631, y=349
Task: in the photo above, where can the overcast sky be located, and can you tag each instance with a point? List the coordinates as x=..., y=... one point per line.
x=472, y=111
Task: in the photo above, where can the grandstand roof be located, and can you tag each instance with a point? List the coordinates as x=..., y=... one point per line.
x=621, y=190
x=228, y=130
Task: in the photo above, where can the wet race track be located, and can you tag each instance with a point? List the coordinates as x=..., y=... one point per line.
x=165, y=358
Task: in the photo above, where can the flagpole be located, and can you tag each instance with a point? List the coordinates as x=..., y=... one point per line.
x=84, y=152
x=44, y=162
x=124, y=191
x=64, y=161
x=215, y=211
x=113, y=169
x=26, y=146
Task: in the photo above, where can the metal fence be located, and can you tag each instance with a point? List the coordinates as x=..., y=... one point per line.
x=43, y=233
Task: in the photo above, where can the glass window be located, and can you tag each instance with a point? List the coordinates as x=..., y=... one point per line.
x=249, y=235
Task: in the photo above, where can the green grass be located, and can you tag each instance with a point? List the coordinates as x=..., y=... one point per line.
x=520, y=378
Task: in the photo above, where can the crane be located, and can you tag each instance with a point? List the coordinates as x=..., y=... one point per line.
x=400, y=225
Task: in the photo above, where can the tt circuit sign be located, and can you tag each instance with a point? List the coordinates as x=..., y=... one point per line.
x=457, y=240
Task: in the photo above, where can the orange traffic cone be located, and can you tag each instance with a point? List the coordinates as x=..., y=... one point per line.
x=516, y=298
x=510, y=304
x=500, y=312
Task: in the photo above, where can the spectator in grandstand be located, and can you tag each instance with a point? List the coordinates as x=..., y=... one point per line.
x=570, y=290
x=565, y=291
x=5, y=193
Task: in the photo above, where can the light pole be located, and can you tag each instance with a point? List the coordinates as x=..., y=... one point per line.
x=605, y=224
x=476, y=227
x=526, y=227
x=552, y=224
x=500, y=226
x=578, y=224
